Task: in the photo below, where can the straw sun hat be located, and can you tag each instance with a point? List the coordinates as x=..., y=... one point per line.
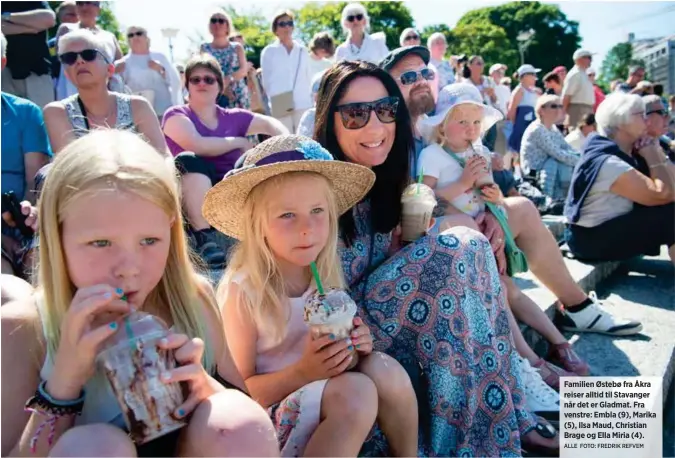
x=282, y=154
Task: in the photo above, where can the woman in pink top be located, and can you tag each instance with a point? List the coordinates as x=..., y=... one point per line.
x=207, y=140
x=599, y=95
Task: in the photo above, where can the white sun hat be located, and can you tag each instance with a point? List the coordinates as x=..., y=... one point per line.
x=527, y=68
x=456, y=94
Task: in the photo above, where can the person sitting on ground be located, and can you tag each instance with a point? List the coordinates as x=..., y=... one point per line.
x=25, y=149
x=545, y=155
x=321, y=51
x=657, y=120
x=621, y=200
x=149, y=73
x=206, y=141
x=296, y=202
x=552, y=83
x=306, y=126
x=452, y=164
x=587, y=127
x=112, y=242
x=87, y=64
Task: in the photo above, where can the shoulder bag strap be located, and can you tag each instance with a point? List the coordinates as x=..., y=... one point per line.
x=297, y=69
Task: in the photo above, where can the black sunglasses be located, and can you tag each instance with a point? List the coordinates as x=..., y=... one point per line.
x=357, y=115
x=135, y=34
x=285, y=24
x=210, y=80
x=88, y=3
x=88, y=55
x=411, y=37
x=355, y=17
x=553, y=106
x=411, y=76
x=661, y=112
x=218, y=20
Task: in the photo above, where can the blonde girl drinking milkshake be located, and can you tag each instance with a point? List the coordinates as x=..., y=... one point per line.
x=283, y=205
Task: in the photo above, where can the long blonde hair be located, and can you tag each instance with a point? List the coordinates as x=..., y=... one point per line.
x=123, y=161
x=264, y=297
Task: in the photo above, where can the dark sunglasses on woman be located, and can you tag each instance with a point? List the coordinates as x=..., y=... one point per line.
x=88, y=55
x=411, y=37
x=209, y=80
x=355, y=17
x=135, y=34
x=554, y=106
x=218, y=20
x=357, y=115
x=285, y=24
x=411, y=76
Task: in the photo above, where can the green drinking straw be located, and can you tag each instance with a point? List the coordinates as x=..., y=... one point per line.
x=419, y=180
x=315, y=272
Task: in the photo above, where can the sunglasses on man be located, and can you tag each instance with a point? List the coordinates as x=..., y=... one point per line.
x=355, y=17
x=357, y=115
x=130, y=35
x=411, y=37
x=285, y=24
x=661, y=112
x=88, y=55
x=218, y=20
x=411, y=76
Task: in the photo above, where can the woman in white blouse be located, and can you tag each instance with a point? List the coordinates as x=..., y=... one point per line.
x=149, y=73
x=360, y=45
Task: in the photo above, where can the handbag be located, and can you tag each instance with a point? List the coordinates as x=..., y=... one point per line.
x=516, y=262
x=283, y=104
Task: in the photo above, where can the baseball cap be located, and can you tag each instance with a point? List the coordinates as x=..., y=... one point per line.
x=496, y=67
x=397, y=54
x=527, y=68
x=579, y=53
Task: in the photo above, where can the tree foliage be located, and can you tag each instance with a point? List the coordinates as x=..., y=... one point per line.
x=429, y=30
x=485, y=39
x=255, y=28
x=616, y=63
x=555, y=40
x=106, y=20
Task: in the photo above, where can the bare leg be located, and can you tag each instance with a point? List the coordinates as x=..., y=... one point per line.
x=527, y=311
x=94, y=440
x=348, y=412
x=541, y=250
x=14, y=288
x=397, y=413
x=522, y=347
x=194, y=187
x=229, y=424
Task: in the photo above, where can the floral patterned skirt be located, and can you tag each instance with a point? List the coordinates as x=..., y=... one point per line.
x=439, y=301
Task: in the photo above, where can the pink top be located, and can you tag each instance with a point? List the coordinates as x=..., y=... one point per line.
x=274, y=356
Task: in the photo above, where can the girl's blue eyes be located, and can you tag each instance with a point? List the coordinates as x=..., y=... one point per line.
x=289, y=215
x=106, y=243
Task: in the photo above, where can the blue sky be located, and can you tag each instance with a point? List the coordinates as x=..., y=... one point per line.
x=601, y=24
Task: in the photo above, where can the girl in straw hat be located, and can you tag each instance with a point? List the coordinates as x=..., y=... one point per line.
x=455, y=130
x=283, y=205
x=111, y=226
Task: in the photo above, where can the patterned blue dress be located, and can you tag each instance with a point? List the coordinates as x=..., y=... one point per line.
x=439, y=301
x=229, y=63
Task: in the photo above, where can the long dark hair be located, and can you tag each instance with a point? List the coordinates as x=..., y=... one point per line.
x=466, y=71
x=391, y=176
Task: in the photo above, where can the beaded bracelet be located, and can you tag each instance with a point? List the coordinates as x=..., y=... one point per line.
x=42, y=403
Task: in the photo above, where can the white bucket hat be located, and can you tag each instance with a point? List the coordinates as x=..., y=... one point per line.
x=456, y=94
x=527, y=68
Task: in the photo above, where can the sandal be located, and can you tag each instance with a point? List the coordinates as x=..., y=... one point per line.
x=564, y=355
x=543, y=440
x=551, y=373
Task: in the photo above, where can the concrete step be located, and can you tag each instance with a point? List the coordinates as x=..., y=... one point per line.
x=555, y=224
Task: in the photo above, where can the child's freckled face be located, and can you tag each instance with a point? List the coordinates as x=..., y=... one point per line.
x=463, y=125
x=117, y=238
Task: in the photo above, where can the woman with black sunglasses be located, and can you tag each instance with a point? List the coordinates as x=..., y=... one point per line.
x=435, y=305
x=88, y=66
x=232, y=59
x=360, y=45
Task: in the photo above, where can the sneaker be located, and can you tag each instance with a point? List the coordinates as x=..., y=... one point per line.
x=551, y=373
x=564, y=355
x=594, y=318
x=207, y=249
x=539, y=397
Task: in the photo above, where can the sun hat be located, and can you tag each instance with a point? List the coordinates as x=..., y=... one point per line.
x=275, y=156
x=456, y=94
x=397, y=54
x=527, y=68
x=579, y=53
x=496, y=67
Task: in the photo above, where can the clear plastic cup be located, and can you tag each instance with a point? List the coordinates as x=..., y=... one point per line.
x=418, y=202
x=133, y=364
x=331, y=313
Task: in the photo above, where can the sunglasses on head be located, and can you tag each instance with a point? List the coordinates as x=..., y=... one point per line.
x=411, y=77
x=285, y=24
x=209, y=80
x=553, y=106
x=357, y=115
x=88, y=55
x=355, y=17
x=411, y=37
x=218, y=20
x=135, y=34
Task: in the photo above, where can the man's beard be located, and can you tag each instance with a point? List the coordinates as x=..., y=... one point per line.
x=421, y=101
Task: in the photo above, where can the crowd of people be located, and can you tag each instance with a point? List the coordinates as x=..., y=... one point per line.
x=202, y=193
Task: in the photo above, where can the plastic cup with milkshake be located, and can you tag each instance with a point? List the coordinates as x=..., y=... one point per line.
x=330, y=311
x=133, y=364
x=485, y=178
x=418, y=202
